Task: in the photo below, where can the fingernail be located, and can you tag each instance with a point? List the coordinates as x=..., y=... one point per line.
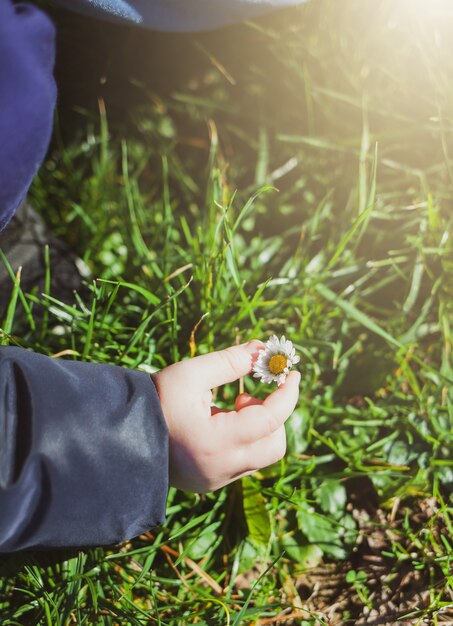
x=254, y=345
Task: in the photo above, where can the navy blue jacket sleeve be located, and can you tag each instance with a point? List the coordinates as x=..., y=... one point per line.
x=83, y=453
x=27, y=99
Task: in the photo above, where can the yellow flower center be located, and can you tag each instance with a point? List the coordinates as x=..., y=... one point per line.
x=277, y=364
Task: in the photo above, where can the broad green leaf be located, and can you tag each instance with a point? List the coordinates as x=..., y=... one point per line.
x=296, y=431
x=331, y=496
x=306, y=555
x=256, y=514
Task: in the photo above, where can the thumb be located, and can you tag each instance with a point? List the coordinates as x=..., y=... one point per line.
x=225, y=366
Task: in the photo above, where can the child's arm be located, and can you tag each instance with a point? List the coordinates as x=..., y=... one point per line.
x=84, y=454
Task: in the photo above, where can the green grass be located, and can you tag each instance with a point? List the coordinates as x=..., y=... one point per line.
x=302, y=186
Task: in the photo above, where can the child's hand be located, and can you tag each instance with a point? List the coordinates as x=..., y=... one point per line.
x=210, y=447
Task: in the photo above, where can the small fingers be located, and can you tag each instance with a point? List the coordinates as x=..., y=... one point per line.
x=282, y=402
x=225, y=366
x=244, y=399
x=262, y=453
x=216, y=409
x=256, y=421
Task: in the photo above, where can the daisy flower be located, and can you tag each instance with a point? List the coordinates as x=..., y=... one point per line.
x=275, y=361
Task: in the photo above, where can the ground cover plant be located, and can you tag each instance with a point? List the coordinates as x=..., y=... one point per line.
x=293, y=176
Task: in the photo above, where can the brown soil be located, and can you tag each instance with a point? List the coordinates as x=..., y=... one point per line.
x=407, y=590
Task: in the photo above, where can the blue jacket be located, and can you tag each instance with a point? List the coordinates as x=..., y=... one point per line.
x=83, y=453
x=27, y=100
x=83, y=447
